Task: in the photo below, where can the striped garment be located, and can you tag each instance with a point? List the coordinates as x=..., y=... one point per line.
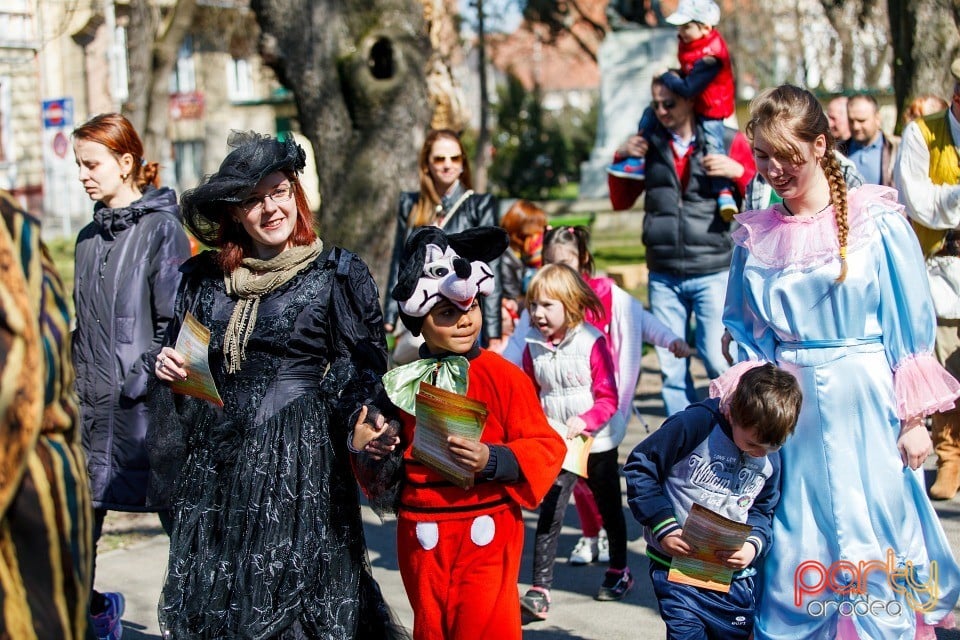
x=45, y=512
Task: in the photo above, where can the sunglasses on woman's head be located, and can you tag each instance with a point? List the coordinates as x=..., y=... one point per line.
x=457, y=159
x=666, y=104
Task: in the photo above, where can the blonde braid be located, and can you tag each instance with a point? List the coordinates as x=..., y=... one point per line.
x=838, y=196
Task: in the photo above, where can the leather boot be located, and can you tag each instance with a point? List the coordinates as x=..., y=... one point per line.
x=946, y=442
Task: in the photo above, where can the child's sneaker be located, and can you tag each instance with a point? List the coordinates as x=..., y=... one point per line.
x=585, y=551
x=728, y=206
x=536, y=603
x=631, y=168
x=615, y=584
x=106, y=625
x=603, y=547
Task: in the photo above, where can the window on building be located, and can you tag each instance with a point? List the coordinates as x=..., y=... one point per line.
x=184, y=77
x=188, y=163
x=16, y=24
x=240, y=79
x=119, y=78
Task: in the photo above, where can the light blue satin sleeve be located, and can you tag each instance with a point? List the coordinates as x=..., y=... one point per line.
x=906, y=313
x=754, y=337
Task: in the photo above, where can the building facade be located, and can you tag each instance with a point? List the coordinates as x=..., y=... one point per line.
x=61, y=63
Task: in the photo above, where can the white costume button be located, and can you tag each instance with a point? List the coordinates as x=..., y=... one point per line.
x=482, y=530
x=428, y=534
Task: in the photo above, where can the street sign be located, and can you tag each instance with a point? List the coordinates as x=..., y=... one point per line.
x=57, y=113
x=60, y=144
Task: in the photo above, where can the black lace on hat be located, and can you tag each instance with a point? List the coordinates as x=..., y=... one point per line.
x=254, y=157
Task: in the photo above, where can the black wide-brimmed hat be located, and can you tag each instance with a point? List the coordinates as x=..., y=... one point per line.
x=254, y=157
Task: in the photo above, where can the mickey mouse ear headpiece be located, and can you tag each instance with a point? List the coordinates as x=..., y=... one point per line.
x=436, y=266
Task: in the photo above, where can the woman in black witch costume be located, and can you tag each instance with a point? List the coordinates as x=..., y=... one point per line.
x=267, y=539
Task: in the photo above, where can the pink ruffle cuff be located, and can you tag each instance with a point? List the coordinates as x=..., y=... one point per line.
x=847, y=631
x=923, y=387
x=778, y=240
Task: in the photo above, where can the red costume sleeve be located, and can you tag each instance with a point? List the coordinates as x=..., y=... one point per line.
x=741, y=152
x=538, y=448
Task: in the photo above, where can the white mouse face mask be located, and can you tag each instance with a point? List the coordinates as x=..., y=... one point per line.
x=445, y=274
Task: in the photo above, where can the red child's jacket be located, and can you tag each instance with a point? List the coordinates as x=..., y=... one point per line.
x=717, y=100
x=515, y=419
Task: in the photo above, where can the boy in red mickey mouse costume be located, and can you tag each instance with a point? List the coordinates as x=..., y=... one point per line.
x=458, y=550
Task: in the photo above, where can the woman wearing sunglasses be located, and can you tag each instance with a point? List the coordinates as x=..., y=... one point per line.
x=446, y=200
x=267, y=539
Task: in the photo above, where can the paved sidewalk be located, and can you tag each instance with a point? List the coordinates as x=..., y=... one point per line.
x=138, y=570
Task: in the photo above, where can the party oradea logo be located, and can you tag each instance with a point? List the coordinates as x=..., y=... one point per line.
x=844, y=587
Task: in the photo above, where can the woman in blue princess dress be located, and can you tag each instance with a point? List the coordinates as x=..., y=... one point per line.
x=831, y=286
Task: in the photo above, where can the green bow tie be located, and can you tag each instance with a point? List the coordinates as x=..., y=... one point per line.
x=403, y=383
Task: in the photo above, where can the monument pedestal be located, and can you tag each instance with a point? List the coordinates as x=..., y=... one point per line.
x=628, y=61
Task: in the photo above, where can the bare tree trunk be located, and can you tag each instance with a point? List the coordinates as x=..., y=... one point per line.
x=356, y=70
x=446, y=95
x=925, y=43
x=152, y=51
x=141, y=30
x=842, y=18
x=483, y=135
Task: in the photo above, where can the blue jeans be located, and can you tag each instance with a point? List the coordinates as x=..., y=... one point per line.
x=675, y=301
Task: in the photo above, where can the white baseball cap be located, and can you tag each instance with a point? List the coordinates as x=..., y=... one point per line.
x=705, y=11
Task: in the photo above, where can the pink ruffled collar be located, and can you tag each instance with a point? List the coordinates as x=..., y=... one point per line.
x=778, y=240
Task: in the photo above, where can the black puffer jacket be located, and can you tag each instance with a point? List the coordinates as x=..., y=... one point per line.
x=682, y=228
x=479, y=210
x=127, y=274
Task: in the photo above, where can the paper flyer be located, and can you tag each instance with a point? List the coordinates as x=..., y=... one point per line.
x=707, y=532
x=193, y=343
x=441, y=414
x=578, y=449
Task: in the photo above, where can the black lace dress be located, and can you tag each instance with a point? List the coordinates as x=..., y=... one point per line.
x=268, y=540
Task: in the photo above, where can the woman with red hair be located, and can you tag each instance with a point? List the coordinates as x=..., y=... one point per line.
x=126, y=278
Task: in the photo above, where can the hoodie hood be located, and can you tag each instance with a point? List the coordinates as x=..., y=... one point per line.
x=115, y=221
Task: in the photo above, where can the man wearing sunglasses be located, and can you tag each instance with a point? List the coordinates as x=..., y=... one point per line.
x=687, y=240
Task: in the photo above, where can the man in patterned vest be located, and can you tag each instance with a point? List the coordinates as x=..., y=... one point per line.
x=928, y=176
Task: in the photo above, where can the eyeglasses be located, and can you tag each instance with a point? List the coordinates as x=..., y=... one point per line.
x=457, y=159
x=254, y=204
x=666, y=104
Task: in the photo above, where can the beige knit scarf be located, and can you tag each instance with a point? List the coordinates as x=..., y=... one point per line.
x=251, y=280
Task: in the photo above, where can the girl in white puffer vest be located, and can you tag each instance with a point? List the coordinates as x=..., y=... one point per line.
x=572, y=368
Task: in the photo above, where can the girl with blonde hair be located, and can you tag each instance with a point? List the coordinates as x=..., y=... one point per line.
x=572, y=368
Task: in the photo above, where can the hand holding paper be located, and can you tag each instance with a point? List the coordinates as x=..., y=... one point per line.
x=739, y=559
x=709, y=535
x=675, y=545
x=169, y=365
x=469, y=454
x=193, y=344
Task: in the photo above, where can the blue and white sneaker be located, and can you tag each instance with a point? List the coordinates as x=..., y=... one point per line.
x=106, y=625
x=630, y=168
